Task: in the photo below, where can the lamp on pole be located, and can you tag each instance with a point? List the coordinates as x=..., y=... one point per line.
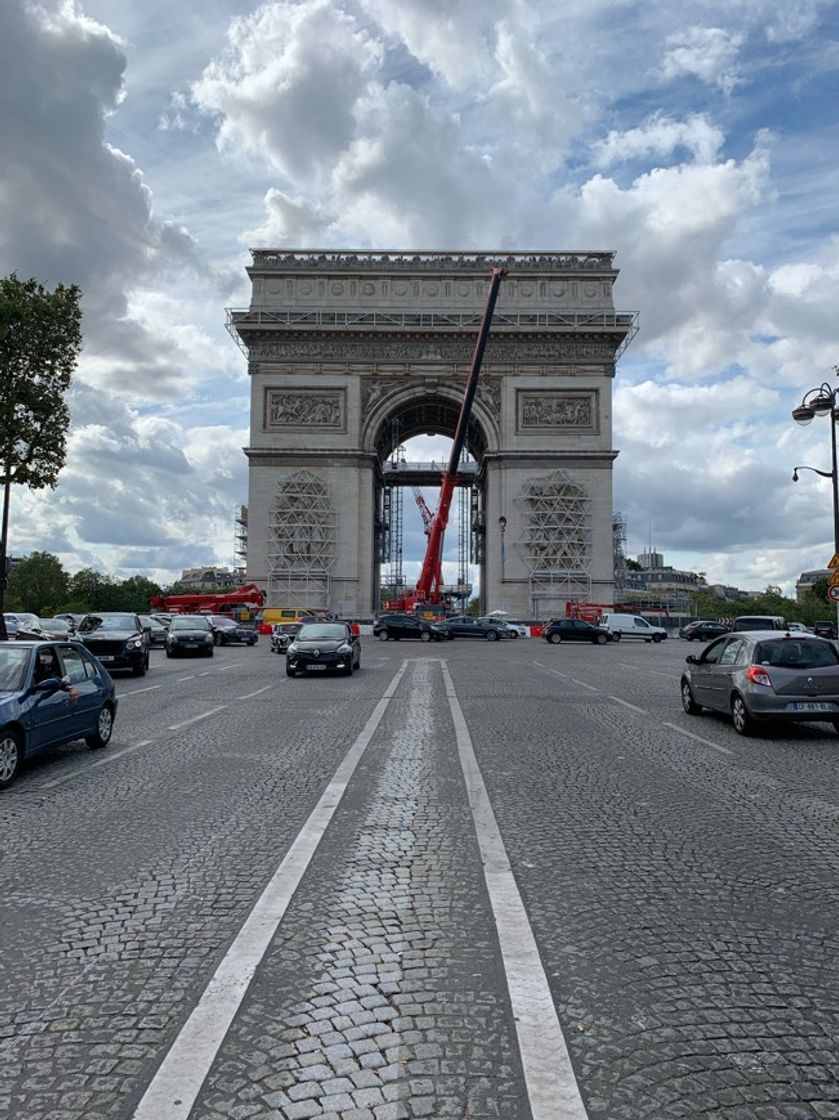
x=823, y=401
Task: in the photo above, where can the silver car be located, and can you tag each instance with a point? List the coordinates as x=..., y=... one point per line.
x=764, y=675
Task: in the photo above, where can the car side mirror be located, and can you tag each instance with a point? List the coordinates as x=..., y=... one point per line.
x=691, y=660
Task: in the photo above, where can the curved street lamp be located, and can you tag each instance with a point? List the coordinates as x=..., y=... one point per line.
x=822, y=401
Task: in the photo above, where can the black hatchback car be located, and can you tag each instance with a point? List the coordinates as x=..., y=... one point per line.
x=465, y=626
x=321, y=647
x=227, y=631
x=575, y=630
x=117, y=639
x=704, y=630
x=824, y=629
x=393, y=627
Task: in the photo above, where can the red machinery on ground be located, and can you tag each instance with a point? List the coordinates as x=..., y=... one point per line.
x=593, y=612
x=220, y=602
x=428, y=592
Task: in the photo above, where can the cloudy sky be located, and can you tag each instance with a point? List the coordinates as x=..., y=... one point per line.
x=145, y=147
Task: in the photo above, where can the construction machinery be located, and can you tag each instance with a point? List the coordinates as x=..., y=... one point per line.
x=428, y=593
x=222, y=602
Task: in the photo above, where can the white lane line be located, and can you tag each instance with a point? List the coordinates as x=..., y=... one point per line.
x=173, y=1089
x=137, y=691
x=626, y=704
x=551, y=1085
x=192, y=678
x=258, y=691
x=101, y=762
x=698, y=738
x=583, y=683
x=225, y=668
x=555, y=672
x=206, y=673
x=195, y=719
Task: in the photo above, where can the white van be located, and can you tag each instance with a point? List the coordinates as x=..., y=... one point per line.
x=632, y=626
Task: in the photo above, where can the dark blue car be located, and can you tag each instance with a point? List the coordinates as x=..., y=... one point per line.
x=50, y=693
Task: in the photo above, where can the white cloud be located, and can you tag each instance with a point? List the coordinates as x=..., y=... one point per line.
x=661, y=135
x=707, y=53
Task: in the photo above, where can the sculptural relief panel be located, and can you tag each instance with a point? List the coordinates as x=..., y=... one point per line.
x=309, y=409
x=440, y=349
x=556, y=410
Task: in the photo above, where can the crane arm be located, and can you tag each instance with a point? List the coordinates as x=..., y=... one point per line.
x=425, y=512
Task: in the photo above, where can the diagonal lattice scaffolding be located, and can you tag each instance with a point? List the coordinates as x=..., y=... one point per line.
x=555, y=541
x=302, y=534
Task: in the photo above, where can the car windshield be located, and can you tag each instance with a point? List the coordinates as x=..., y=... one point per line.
x=13, y=664
x=107, y=622
x=322, y=631
x=223, y=621
x=54, y=625
x=147, y=620
x=190, y=624
x=786, y=653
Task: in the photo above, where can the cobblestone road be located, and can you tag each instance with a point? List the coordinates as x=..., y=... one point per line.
x=681, y=884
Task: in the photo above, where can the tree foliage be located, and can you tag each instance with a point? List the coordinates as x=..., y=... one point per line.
x=40, y=340
x=38, y=584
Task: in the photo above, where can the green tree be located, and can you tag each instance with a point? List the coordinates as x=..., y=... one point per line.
x=135, y=593
x=38, y=584
x=93, y=590
x=40, y=340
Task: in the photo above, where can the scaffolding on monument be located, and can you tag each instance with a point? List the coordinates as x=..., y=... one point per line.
x=240, y=537
x=619, y=550
x=555, y=542
x=303, y=529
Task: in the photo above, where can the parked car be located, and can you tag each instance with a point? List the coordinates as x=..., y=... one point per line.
x=632, y=626
x=117, y=639
x=521, y=631
x=55, y=627
x=50, y=693
x=398, y=625
x=282, y=634
x=465, y=626
x=190, y=634
x=824, y=629
x=24, y=625
x=164, y=619
x=514, y=630
x=798, y=628
x=761, y=675
x=575, y=630
x=228, y=631
x=322, y=647
x=72, y=620
x=759, y=622
x=704, y=630
x=156, y=630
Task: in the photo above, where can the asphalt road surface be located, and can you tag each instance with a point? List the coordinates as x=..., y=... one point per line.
x=475, y=880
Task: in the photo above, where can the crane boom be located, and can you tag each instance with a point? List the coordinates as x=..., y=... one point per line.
x=425, y=513
x=429, y=584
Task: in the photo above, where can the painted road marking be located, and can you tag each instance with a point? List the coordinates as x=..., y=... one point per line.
x=137, y=691
x=555, y=672
x=195, y=719
x=583, y=683
x=551, y=1085
x=226, y=667
x=258, y=691
x=174, y=1088
x=101, y=762
x=626, y=704
x=698, y=738
x=192, y=678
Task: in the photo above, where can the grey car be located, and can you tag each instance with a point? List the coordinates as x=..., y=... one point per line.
x=764, y=675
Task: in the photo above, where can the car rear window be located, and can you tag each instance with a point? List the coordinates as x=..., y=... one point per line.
x=786, y=653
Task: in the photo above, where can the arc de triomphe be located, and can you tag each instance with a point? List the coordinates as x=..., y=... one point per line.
x=350, y=353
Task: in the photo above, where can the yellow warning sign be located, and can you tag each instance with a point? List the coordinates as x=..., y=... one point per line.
x=834, y=563
x=834, y=579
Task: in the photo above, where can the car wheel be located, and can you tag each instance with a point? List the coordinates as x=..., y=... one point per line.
x=688, y=702
x=11, y=756
x=139, y=670
x=383, y=635
x=514, y=633
x=290, y=672
x=616, y=637
x=835, y=723
x=358, y=663
x=492, y=635
x=104, y=729
x=601, y=639
x=425, y=636
x=743, y=722
x=657, y=638
x=217, y=639
x=554, y=639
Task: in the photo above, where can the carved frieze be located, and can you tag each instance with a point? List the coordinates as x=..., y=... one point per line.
x=318, y=409
x=489, y=394
x=450, y=350
x=302, y=261
x=556, y=410
x=374, y=388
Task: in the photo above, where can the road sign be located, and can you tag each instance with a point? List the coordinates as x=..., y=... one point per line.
x=834, y=563
x=834, y=578
x=833, y=593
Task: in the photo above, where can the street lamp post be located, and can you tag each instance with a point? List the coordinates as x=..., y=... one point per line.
x=823, y=401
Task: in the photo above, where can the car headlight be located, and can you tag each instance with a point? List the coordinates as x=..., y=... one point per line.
x=292, y=648
x=345, y=647
x=135, y=643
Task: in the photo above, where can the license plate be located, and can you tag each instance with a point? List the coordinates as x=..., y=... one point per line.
x=191, y=645
x=316, y=668
x=106, y=658
x=812, y=707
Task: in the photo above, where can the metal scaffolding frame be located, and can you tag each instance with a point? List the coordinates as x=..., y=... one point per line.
x=302, y=532
x=555, y=541
x=240, y=537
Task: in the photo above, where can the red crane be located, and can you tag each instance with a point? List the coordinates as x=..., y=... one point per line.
x=429, y=585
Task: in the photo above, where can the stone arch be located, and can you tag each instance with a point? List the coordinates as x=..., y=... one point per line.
x=418, y=411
